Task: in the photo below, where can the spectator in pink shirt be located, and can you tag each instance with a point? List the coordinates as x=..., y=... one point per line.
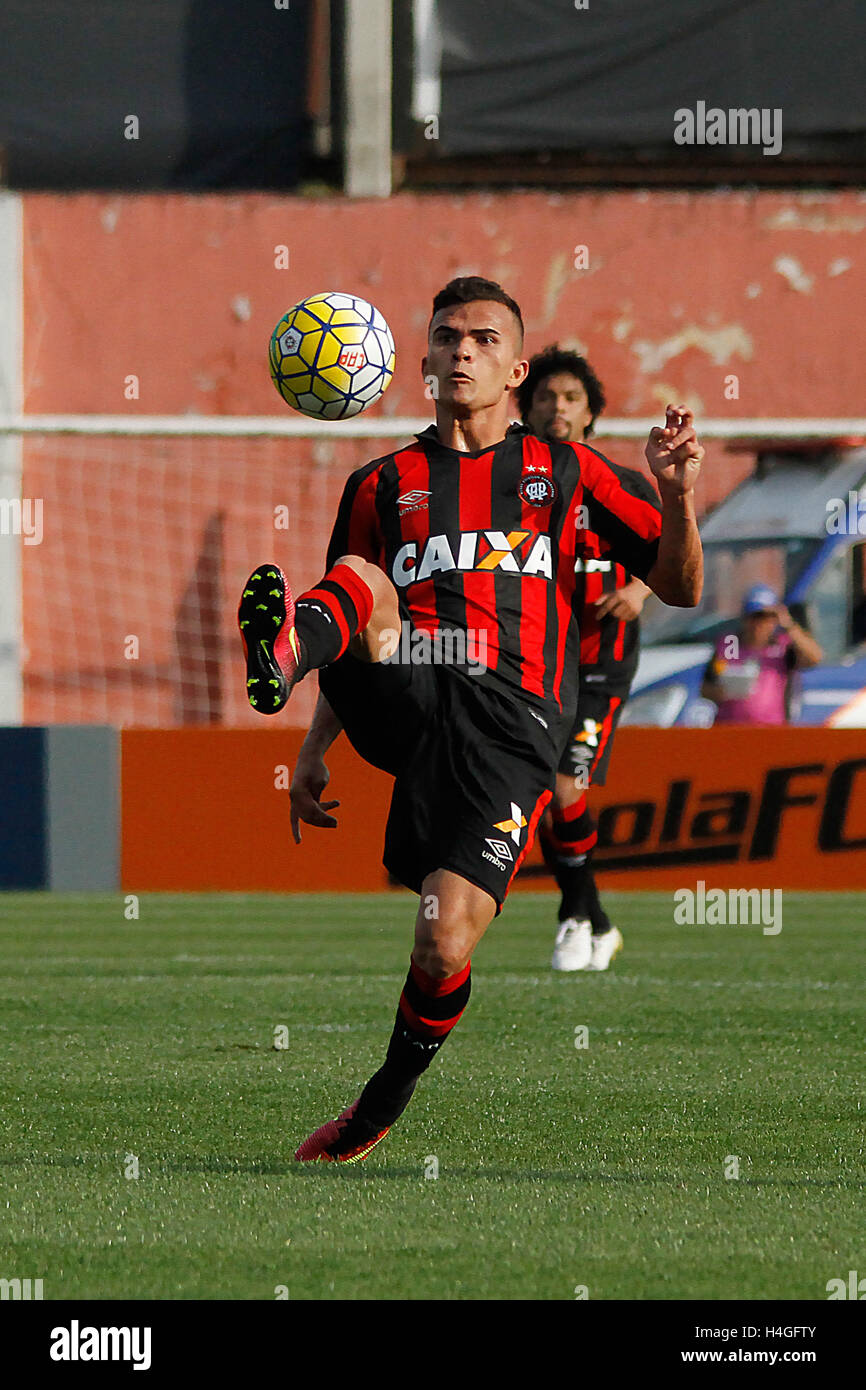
x=749, y=675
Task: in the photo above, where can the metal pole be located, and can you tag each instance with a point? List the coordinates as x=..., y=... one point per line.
x=11, y=540
x=367, y=142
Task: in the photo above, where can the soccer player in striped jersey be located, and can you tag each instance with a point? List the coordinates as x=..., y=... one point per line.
x=560, y=399
x=465, y=538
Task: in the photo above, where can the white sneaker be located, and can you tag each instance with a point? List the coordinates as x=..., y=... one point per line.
x=604, y=948
x=573, y=950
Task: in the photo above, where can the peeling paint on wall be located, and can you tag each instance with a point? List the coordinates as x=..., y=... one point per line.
x=720, y=345
x=790, y=268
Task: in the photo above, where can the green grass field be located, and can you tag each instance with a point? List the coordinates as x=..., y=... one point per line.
x=558, y=1166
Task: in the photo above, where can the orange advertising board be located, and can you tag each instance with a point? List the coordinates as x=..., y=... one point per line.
x=208, y=809
x=738, y=807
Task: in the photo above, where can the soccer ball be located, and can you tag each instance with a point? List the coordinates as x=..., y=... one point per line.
x=331, y=356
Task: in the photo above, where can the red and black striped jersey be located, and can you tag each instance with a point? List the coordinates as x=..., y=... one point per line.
x=485, y=544
x=609, y=648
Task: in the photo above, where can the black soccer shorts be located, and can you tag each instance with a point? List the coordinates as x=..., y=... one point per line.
x=587, y=753
x=473, y=766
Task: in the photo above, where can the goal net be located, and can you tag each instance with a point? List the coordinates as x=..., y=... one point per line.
x=135, y=538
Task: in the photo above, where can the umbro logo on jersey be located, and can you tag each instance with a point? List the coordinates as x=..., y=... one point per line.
x=412, y=501
x=518, y=552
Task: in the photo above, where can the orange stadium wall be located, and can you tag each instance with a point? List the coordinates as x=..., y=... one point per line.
x=668, y=292
x=738, y=808
x=671, y=294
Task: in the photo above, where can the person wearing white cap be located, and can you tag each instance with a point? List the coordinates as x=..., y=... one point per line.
x=749, y=675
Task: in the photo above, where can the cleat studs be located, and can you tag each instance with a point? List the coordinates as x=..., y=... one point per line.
x=277, y=593
x=245, y=622
x=247, y=593
x=261, y=608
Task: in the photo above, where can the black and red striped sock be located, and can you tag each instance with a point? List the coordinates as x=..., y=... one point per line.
x=428, y=1011
x=567, y=849
x=328, y=616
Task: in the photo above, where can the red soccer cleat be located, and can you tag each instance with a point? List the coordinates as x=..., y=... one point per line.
x=340, y=1141
x=266, y=618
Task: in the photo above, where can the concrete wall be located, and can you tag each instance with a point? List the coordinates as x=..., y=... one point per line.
x=151, y=539
x=681, y=289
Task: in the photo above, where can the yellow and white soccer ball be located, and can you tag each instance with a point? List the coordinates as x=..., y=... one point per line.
x=331, y=356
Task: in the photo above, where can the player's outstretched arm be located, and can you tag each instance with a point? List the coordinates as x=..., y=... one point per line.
x=311, y=776
x=674, y=455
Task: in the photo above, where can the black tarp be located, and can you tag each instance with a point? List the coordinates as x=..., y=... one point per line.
x=218, y=88
x=542, y=74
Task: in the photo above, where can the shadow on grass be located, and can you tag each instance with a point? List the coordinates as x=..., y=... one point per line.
x=365, y=1171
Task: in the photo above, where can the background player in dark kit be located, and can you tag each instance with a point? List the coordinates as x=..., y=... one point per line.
x=561, y=399
x=471, y=527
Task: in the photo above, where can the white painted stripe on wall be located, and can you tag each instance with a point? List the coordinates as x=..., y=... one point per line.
x=403, y=427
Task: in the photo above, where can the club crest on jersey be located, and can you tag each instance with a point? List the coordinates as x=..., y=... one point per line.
x=537, y=489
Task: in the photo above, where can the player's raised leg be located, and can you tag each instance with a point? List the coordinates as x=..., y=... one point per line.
x=284, y=638
x=452, y=917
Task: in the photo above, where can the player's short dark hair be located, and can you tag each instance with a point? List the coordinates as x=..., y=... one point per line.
x=466, y=289
x=555, y=359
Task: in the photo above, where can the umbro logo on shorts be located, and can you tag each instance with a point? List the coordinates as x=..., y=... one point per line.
x=500, y=849
x=512, y=825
